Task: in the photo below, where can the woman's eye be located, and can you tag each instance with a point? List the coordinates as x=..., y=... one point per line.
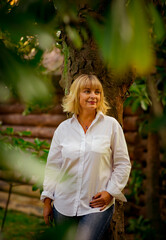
x=86, y=91
x=97, y=92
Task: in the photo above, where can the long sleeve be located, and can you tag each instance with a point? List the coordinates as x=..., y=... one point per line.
x=54, y=162
x=121, y=164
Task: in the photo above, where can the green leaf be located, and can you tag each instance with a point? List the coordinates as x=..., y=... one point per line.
x=74, y=36
x=142, y=55
x=158, y=25
x=38, y=142
x=34, y=187
x=46, y=150
x=98, y=32
x=24, y=133
x=9, y=131
x=135, y=105
x=144, y=105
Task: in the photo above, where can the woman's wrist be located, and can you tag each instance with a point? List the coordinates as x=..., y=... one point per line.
x=47, y=201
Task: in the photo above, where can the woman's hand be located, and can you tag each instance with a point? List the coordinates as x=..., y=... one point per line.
x=101, y=199
x=47, y=211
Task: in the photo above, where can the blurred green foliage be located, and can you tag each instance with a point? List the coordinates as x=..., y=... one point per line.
x=136, y=183
x=20, y=226
x=141, y=228
x=138, y=96
x=126, y=31
x=25, y=33
x=63, y=231
x=23, y=157
x=128, y=35
x=24, y=161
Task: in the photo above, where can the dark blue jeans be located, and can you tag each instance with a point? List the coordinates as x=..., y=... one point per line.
x=89, y=227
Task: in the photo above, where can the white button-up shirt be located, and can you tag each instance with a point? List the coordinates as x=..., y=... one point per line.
x=80, y=164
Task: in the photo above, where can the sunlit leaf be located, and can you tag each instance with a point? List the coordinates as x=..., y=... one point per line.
x=144, y=105
x=142, y=55
x=124, y=37
x=74, y=36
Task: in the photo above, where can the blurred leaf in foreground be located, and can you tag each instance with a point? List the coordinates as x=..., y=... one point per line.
x=124, y=37
x=26, y=31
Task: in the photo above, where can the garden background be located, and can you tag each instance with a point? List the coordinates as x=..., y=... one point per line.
x=44, y=45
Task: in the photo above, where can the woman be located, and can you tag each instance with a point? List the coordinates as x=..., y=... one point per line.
x=89, y=157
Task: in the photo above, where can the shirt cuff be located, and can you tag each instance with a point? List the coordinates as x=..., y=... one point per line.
x=46, y=194
x=115, y=192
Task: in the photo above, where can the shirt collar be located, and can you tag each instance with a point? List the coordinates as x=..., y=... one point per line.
x=98, y=115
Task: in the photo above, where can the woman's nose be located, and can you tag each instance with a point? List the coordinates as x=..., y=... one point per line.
x=92, y=95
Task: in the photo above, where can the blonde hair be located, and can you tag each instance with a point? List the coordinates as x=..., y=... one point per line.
x=70, y=102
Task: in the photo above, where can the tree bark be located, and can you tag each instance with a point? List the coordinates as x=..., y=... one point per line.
x=152, y=190
x=153, y=161
x=157, y=108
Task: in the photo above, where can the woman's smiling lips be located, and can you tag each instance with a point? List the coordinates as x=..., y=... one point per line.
x=92, y=102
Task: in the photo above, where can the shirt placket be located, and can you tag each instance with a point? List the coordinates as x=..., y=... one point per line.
x=80, y=171
x=81, y=166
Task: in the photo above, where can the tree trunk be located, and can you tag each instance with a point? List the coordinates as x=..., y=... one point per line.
x=153, y=161
x=152, y=190
x=87, y=60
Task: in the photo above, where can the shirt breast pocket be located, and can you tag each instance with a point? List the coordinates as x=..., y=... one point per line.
x=70, y=151
x=101, y=144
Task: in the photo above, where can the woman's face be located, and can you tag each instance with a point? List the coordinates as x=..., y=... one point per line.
x=89, y=98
